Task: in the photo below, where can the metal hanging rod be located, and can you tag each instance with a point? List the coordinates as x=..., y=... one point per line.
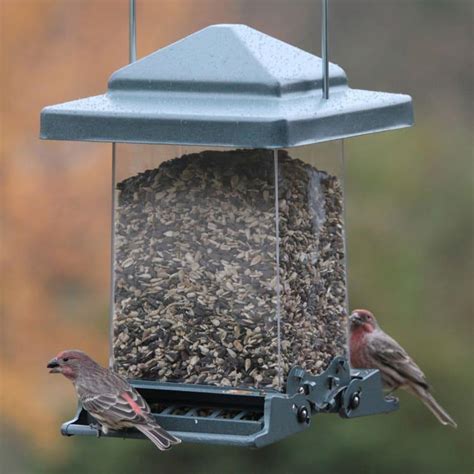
x=132, y=49
x=324, y=48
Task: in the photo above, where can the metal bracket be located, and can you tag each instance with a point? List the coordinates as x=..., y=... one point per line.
x=350, y=392
x=364, y=395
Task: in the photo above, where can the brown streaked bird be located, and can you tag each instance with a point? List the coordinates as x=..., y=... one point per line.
x=371, y=348
x=109, y=398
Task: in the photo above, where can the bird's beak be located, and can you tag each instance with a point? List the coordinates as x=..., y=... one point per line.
x=355, y=319
x=53, y=366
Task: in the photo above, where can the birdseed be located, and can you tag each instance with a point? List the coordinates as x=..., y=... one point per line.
x=195, y=270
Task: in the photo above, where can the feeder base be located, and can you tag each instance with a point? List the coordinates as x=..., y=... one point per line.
x=250, y=417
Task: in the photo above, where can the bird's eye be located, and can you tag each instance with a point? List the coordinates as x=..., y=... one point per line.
x=65, y=359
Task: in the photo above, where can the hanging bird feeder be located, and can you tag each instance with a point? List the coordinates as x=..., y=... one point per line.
x=229, y=295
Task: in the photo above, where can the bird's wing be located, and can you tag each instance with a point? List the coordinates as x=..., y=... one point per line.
x=391, y=354
x=118, y=408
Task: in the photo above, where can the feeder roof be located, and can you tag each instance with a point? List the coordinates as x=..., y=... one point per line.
x=226, y=85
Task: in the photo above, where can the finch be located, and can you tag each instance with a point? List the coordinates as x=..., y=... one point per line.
x=109, y=398
x=372, y=348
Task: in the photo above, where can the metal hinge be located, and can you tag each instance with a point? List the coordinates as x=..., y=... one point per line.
x=340, y=389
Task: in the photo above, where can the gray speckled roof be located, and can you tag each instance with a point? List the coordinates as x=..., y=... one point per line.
x=226, y=85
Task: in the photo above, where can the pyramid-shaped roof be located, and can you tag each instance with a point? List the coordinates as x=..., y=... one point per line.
x=226, y=58
x=226, y=85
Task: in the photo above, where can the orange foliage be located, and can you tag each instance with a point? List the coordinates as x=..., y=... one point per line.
x=52, y=240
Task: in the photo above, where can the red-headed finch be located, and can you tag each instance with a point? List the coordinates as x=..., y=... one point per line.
x=371, y=348
x=109, y=398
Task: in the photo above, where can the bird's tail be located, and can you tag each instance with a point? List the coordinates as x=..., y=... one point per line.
x=425, y=396
x=158, y=436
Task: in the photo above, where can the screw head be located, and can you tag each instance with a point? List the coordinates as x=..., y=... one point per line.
x=303, y=415
x=355, y=401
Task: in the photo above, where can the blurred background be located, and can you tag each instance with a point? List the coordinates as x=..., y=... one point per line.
x=409, y=208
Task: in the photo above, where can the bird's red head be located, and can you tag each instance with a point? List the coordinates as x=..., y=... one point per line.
x=362, y=319
x=69, y=363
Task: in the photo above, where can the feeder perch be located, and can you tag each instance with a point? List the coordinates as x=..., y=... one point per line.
x=229, y=296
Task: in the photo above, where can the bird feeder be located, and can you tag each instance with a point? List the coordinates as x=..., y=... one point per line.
x=229, y=295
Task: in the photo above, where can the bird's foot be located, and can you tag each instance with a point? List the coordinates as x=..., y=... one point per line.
x=97, y=428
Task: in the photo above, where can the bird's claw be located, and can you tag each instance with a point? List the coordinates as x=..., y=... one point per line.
x=97, y=428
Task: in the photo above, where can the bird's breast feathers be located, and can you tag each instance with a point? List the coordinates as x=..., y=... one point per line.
x=357, y=347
